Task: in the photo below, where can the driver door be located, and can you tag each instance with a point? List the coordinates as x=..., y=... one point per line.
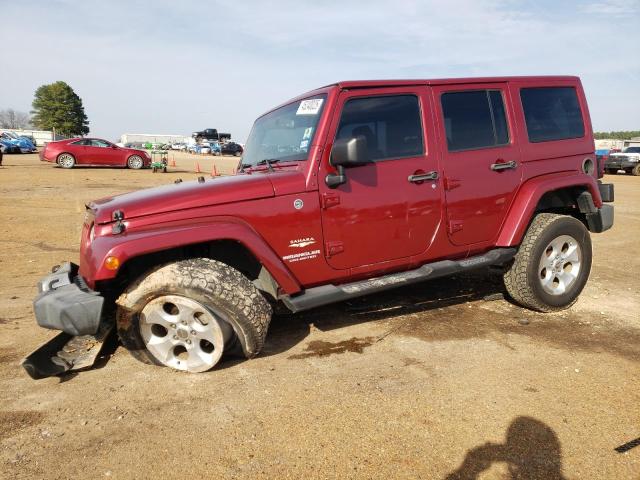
x=380, y=214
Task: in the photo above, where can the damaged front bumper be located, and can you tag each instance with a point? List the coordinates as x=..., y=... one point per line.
x=66, y=303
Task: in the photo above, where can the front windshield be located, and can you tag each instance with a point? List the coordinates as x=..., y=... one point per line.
x=631, y=150
x=285, y=134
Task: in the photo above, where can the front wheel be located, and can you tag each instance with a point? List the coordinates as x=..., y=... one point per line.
x=636, y=170
x=552, y=264
x=187, y=314
x=135, y=162
x=66, y=160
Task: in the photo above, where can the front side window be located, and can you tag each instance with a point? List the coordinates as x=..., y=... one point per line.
x=390, y=124
x=100, y=143
x=552, y=113
x=284, y=134
x=474, y=119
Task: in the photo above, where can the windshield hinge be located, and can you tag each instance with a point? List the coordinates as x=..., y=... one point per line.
x=118, y=227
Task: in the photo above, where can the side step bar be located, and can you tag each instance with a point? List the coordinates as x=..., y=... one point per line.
x=326, y=294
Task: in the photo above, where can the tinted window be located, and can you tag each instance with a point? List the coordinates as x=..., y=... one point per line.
x=99, y=143
x=552, y=113
x=82, y=142
x=390, y=124
x=474, y=119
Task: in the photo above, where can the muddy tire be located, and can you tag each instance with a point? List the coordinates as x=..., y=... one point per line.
x=187, y=314
x=636, y=170
x=552, y=264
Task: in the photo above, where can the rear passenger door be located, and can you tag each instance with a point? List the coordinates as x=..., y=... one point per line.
x=481, y=162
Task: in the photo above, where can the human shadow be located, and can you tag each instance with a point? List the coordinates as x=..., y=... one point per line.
x=531, y=451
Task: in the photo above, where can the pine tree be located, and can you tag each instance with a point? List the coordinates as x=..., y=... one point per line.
x=57, y=106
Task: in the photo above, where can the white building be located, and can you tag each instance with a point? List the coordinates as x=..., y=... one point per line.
x=634, y=142
x=153, y=138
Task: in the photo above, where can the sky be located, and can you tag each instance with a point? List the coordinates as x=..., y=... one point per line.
x=175, y=67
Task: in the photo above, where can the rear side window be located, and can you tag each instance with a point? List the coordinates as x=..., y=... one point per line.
x=474, y=119
x=552, y=113
x=391, y=125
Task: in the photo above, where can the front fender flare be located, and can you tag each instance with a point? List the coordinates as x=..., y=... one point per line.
x=135, y=243
x=524, y=206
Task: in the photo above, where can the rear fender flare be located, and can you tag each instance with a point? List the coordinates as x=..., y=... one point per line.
x=524, y=206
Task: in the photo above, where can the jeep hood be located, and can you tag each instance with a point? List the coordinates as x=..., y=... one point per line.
x=184, y=195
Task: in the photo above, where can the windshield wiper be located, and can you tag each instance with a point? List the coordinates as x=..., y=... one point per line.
x=264, y=161
x=268, y=162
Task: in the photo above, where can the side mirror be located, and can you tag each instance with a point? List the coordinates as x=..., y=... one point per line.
x=350, y=152
x=347, y=152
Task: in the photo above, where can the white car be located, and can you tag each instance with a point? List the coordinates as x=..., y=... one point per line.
x=627, y=160
x=179, y=146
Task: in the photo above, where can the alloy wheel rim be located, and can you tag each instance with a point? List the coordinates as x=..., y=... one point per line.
x=66, y=160
x=135, y=162
x=183, y=334
x=560, y=265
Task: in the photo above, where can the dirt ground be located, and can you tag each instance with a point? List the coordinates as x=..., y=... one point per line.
x=433, y=381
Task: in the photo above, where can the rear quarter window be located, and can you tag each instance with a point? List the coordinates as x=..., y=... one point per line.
x=552, y=113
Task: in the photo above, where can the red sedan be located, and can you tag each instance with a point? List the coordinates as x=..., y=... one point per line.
x=93, y=152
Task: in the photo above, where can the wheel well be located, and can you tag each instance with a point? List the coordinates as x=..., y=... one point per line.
x=229, y=252
x=562, y=201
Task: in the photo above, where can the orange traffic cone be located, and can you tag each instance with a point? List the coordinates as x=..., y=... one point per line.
x=173, y=162
x=214, y=172
x=198, y=167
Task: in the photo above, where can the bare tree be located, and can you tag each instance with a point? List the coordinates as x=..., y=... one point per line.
x=11, y=118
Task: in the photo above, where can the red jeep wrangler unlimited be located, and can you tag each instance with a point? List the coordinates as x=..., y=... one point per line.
x=347, y=190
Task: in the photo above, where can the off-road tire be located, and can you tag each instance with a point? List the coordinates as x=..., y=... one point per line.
x=636, y=170
x=522, y=278
x=224, y=290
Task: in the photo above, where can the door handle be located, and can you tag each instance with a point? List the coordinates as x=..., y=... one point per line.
x=423, y=176
x=496, y=167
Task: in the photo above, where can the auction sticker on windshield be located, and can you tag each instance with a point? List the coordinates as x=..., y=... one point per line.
x=310, y=107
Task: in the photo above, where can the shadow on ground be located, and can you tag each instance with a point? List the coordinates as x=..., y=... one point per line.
x=464, y=307
x=457, y=308
x=531, y=451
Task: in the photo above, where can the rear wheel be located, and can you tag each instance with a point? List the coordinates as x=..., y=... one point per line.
x=135, y=162
x=552, y=264
x=187, y=314
x=66, y=160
